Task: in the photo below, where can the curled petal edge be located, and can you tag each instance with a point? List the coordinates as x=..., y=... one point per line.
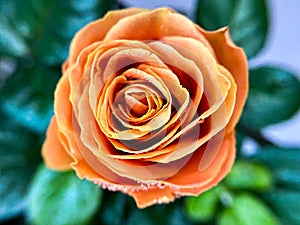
x=234, y=59
x=168, y=194
x=53, y=152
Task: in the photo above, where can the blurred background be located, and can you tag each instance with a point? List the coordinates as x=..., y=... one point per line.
x=264, y=185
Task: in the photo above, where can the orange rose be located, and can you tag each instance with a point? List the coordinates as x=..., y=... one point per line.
x=147, y=105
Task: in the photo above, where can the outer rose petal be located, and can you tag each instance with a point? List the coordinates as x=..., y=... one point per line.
x=153, y=196
x=234, y=59
x=96, y=31
x=168, y=194
x=154, y=25
x=53, y=152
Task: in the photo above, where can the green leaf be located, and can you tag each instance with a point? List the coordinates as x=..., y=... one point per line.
x=286, y=205
x=47, y=25
x=27, y=96
x=8, y=67
x=273, y=97
x=11, y=42
x=249, y=176
x=276, y=157
x=112, y=212
x=247, y=20
x=61, y=199
x=146, y=217
x=19, y=151
x=7, y=9
x=176, y=214
x=30, y=17
x=203, y=207
x=239, y=140
x=154, y=215
x=171, y=214
x=247, y=210
x=288, y=177
x=284, y=163
x=285, y=166
x=63, y=20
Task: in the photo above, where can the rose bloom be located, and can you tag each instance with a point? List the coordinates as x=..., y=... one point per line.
x=147, y=105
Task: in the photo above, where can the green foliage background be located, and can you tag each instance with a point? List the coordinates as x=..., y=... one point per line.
x=262, y=189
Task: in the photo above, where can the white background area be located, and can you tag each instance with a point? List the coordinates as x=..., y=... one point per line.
x=282, y=49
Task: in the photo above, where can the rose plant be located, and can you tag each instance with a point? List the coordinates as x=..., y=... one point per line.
x=147, y=105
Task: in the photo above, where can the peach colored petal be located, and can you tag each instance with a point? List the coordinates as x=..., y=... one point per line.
x=88, y=165
x=168, y=191
x=233, y=59
x=54, y=154
x=62, y=105
x=135, y=170
x=69, y=135
x=200, y=55
x=66, y=121
x=96, y=31
x=189, y=136
x=211, y=162
x=191, y=78
x=103, y=115
x=228, y=151
x=77, y=71
x=145, y=198
x=153, y=25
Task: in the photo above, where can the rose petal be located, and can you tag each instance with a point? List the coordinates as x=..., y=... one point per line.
x=153, y=196
x=54, y=154
x=234, y=59
x=100, y=147
x=96, y=31
x=197, y=181
x=189, y=137
x=153, y=25
x=207, y=163
x=228, y=146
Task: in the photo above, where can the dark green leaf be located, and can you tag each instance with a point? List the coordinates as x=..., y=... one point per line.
x=8, y=67
x=273, y=97
x=284, y=163
x=47, y=25
x=31, y=16
x=286, y=205
x=154, y=215
x=63, y=20
x=247, y=210
x=203, y=207
x=11, y=42
x=285, y=166
x=239, y=140
x=249, y=176
x=275, y=157
x=112, y=212
x=214, y=14
x=27, y=97
x=19, y=151
x=247, y=20
x=61, y=199
x=171, y=214
x=7, y=9
x=288, y=177
x=176, y=214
